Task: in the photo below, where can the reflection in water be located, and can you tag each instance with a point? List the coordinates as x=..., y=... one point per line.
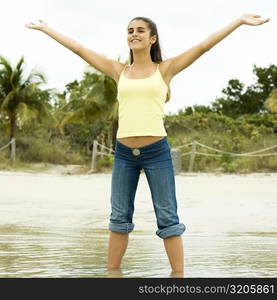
x=177, y=274
x=35, y=252
x=63, y=233
x=114, y=274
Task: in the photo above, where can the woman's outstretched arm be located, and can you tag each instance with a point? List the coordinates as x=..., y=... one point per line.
x=178, y=63
x=247, y=19
x=108, y=66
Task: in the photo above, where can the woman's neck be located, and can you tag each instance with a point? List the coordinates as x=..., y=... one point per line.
x=141, y=60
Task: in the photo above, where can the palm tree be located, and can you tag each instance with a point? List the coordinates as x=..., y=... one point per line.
x=91, y=99
x=271, y=102
x=19, y=95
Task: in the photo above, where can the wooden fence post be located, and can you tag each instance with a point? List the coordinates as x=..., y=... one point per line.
x=13, y=152
x=94, y=154
x=176, y=160
x=192, y=156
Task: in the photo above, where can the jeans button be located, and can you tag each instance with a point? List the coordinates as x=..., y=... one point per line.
x=136, y=152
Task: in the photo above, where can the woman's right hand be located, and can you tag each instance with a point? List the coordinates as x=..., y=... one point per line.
x=40, y=25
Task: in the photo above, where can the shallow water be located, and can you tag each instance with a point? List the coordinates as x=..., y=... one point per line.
x=56, y=226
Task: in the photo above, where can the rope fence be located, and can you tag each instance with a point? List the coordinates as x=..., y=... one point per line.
x=193, y=152
x=13, y=146
x=5, y=146
x=176, y=154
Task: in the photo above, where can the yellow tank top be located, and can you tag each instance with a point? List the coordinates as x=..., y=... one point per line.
x=141, y=105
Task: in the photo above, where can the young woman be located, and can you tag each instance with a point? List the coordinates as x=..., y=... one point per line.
x=143, y=88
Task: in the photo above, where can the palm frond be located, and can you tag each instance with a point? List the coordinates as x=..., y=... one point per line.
x=6, y=64
x=7, y=104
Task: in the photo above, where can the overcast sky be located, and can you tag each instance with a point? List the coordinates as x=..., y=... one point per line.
x=102, y=26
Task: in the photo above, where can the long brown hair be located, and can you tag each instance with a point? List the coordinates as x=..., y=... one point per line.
x=155, y=51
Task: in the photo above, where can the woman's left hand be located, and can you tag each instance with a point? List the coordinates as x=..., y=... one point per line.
x=252, y=19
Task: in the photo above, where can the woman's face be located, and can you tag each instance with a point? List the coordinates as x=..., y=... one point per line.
x=138, y=36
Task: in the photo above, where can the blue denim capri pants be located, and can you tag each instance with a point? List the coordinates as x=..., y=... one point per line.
x=156, y=161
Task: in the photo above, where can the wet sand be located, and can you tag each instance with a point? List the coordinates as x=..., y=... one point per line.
x=54, y=225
